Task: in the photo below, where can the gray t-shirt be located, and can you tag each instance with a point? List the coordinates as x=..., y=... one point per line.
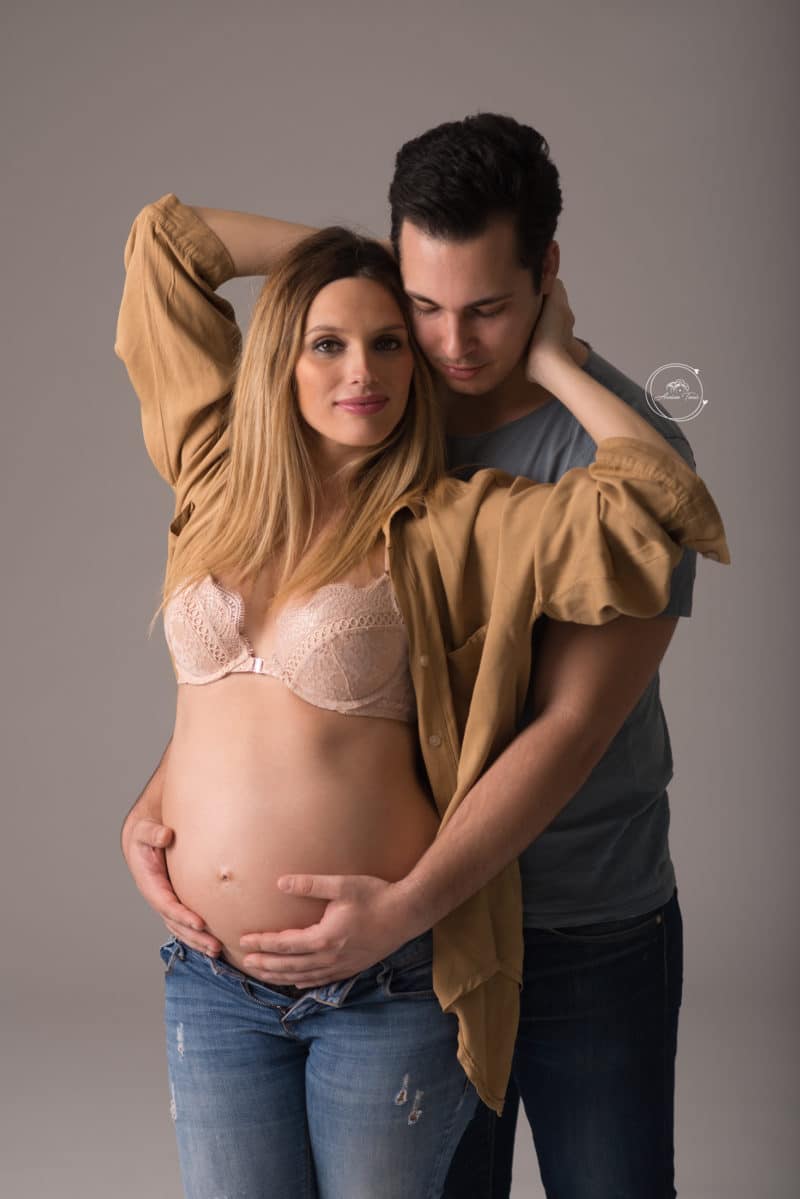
x=606, y=855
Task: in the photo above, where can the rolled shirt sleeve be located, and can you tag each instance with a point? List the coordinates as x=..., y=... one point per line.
x=179, y=340
x=610, y=535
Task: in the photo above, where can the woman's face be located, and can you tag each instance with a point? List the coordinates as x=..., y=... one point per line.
x=354, y=372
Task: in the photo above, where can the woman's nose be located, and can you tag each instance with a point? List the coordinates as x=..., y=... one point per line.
x=361, y=368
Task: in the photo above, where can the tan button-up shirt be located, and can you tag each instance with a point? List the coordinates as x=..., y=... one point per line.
x=471, y=575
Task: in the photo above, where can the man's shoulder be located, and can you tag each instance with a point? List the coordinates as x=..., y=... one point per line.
x=549, y=441
x=633, y=393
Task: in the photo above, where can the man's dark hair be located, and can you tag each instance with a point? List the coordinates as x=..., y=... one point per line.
x=454, y=179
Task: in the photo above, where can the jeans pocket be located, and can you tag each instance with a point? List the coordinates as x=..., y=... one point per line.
x=171, y=950
x=612, y=932
x=414, y=981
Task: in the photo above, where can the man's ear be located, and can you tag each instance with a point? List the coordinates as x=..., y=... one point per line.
x=550, y=267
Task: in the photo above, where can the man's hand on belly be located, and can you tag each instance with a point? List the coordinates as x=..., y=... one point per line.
x=143, y=844
x=143, y=841
x=365, y=920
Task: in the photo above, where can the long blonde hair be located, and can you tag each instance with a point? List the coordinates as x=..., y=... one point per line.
x=264, y=500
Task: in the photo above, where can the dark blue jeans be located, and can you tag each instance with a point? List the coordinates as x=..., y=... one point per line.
x=594, y=1065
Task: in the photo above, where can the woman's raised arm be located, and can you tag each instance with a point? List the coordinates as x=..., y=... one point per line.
x=255, y=243
x=550, y=364
x=178, y=338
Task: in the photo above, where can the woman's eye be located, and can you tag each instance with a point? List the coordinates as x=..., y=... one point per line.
x=389, y=343
x=327, y=345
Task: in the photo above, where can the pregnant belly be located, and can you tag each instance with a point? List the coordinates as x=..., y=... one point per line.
x=246, y=809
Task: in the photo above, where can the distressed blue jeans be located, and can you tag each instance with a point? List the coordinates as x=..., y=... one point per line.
x=348, y=1090
x=594, y=1065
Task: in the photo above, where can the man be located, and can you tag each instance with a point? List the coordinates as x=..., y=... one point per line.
x=475, y=205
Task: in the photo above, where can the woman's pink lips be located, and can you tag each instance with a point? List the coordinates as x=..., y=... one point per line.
x=364, y=405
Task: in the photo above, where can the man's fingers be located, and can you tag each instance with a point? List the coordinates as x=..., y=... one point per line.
x=157, y=890
x=298, y=941
x=278, y=966
x=174, y=910
x=316, y=886
x=203, y=944
x=297, y=973
x=150, y=832
x=153, y=882
x=310, y=980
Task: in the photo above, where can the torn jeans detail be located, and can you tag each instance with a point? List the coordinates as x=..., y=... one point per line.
x=352, y=1089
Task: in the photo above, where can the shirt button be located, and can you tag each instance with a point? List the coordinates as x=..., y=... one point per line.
x=435, y=740
x=424, y=659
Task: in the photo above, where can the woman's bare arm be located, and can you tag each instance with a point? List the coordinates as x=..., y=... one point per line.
x=551, y=365
x=255, y=243
x=183, y=411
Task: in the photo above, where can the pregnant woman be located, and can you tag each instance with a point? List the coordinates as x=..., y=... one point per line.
x=339, y=615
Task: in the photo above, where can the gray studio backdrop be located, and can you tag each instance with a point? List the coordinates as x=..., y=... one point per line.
x=671, y=126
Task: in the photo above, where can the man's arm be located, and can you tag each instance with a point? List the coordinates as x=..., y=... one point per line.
x=586, y=681
x=143, y=840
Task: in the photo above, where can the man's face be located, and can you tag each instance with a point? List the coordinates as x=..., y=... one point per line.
x=473, y=306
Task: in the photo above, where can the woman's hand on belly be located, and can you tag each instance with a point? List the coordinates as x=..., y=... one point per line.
x=366, y=919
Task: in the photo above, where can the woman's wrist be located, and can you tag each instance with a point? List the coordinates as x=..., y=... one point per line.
x=553, y=367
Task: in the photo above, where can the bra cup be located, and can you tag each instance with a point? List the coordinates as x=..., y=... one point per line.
x=202, y=626
x=344, y=649
x=353, y=669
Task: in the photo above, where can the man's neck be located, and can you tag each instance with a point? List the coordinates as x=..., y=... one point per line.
x=515, y=397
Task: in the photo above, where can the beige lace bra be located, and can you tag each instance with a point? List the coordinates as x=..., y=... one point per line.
x=345, y=649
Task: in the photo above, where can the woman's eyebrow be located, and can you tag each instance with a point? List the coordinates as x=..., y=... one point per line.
x=336, y=329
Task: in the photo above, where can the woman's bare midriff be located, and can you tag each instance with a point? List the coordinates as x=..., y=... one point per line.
x=260, y=783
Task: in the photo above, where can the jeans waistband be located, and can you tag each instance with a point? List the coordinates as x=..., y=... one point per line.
x=417, y=950
x=414, y=952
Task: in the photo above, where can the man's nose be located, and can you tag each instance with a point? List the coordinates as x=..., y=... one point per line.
x=456, y=339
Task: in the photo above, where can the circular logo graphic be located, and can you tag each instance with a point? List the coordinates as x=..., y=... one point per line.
x=675, y=392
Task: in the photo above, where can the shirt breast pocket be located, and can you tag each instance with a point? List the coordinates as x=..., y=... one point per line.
x=463, y=665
